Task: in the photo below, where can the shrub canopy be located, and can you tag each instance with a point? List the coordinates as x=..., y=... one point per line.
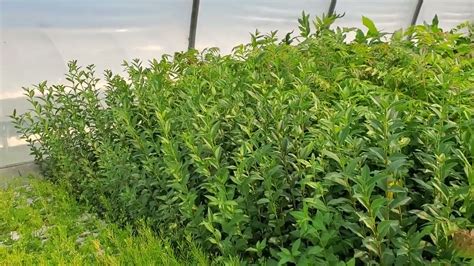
x=310, y=149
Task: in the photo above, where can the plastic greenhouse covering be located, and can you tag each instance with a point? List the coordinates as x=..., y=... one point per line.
x=38, y=37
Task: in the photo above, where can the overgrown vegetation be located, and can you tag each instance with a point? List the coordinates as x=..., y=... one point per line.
x=40, y=224
x=311, y=149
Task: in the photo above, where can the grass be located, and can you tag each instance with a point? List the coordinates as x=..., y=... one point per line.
x=41, y=224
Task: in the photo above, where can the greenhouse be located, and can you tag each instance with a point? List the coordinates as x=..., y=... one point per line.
x=307, y=132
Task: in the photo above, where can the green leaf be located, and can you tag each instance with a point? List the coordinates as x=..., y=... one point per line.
x=372, y=30
x=300, y=216
x=369, y=222
x=399, y=201
x=377, y=153
x=337, y=178
x=422, y=215
x=315, y=250
x=397, y=35
x=371, y=244
x=263, y=201
x=295, y=247
x=351, y=262
x=377, y=204
x=396, y=165
x=388, y=257
x=285, y=256
x=316, y=203
x=355, y=228
x=304, y=25
x=435, y=21
x=332, y=155
x=384, y=227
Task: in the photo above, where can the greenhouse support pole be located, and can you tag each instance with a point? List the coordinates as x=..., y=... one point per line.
x=417, y=12
x=193, y=25
x=332, y=7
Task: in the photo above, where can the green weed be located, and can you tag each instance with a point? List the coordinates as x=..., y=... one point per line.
x=41, y=225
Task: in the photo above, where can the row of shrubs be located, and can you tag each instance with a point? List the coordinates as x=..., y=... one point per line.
x=311, y=149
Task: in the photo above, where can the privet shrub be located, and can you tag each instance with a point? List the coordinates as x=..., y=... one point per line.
x=310, y=150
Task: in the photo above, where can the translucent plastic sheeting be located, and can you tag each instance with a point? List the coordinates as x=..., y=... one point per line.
x=450, y=13
x=388, y=15
x=225, y=24
x=391, y=15
x=39, y=37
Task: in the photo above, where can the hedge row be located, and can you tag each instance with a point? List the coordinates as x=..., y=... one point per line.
x=311, y=149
